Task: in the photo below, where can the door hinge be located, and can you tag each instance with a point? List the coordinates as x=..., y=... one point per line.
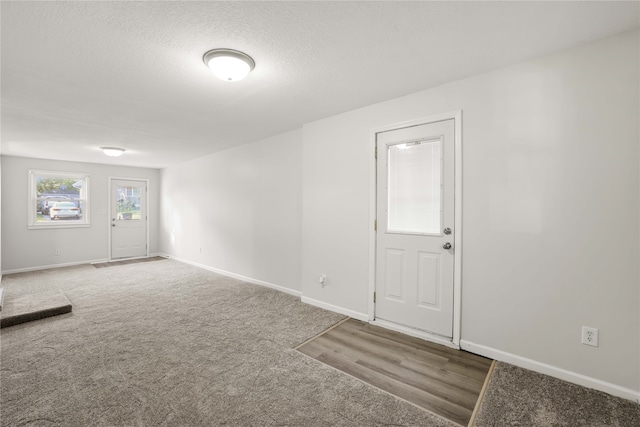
x=374, y=297
x=375, y=225
x=376, y=153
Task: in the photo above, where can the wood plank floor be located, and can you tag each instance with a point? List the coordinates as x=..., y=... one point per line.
x=439, y=379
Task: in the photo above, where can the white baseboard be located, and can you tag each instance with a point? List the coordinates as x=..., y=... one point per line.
x=235, y=276
x=336, y=309
x=47, y=267
x=553, y=371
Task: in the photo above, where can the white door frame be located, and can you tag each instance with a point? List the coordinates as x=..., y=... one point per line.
x=457, y=271
x=110, y=211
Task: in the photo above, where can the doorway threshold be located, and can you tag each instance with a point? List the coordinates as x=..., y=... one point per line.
x=127, y=261
x=438, y=339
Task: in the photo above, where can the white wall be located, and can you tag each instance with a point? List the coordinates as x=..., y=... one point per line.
x=0, y=229
x=27, y=249
x=238, y=211
x=550, y=217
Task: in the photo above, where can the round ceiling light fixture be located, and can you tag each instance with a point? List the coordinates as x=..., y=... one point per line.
x=113, y=151
x=228, y=64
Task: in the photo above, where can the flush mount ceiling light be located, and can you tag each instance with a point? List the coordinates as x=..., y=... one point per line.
x=228, y=64
x=113, y=151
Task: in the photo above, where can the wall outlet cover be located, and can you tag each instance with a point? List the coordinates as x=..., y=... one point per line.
x=323, y=280
x=590, y=336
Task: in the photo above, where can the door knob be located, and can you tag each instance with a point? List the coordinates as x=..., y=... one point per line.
x=447, y=245
x=113, y=225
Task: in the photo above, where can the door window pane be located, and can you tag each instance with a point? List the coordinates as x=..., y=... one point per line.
x=414, y=187
x=128, y=203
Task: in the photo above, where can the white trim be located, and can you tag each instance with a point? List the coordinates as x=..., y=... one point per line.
x=543, y=368
x=148, y=214
x=457, y=243
x=335, y=309
x=415, y=333
x=373, y=188
x=236, y=276
x=457, y=272
x=46, y=267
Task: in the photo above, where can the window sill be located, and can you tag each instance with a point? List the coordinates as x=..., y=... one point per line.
x=52, y=226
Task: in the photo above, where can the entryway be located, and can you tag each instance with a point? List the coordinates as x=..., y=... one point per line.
x=439, y=379
x=417, y=236
x=128, y=218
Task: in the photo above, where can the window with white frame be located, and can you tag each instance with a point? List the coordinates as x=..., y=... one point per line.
x=58, y=199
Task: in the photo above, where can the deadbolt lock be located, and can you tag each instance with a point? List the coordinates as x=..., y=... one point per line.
x=447, y=231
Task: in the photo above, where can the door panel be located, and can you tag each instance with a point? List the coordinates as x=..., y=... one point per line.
x=394, y=280
x=428, y=274
x=415, y=203
x=128, y=218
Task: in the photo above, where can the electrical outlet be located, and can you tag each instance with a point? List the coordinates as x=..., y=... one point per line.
x=323, y=280
x=57, y=252
x=590, y=336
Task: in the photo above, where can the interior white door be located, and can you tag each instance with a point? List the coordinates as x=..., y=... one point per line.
x=128, y=218
x=415, y=227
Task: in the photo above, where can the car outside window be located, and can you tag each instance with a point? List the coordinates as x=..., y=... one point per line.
x=58, y=199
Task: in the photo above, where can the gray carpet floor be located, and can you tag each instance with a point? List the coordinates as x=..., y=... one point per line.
x=519, y=397
x=167, y=344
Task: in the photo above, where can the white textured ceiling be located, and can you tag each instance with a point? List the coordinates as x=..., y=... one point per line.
x=80, y=75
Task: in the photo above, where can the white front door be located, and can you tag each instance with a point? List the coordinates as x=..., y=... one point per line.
x=415, y=227
x=128, y=218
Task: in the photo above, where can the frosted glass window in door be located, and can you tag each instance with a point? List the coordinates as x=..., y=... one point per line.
x=128, y=203
x=414, y=187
